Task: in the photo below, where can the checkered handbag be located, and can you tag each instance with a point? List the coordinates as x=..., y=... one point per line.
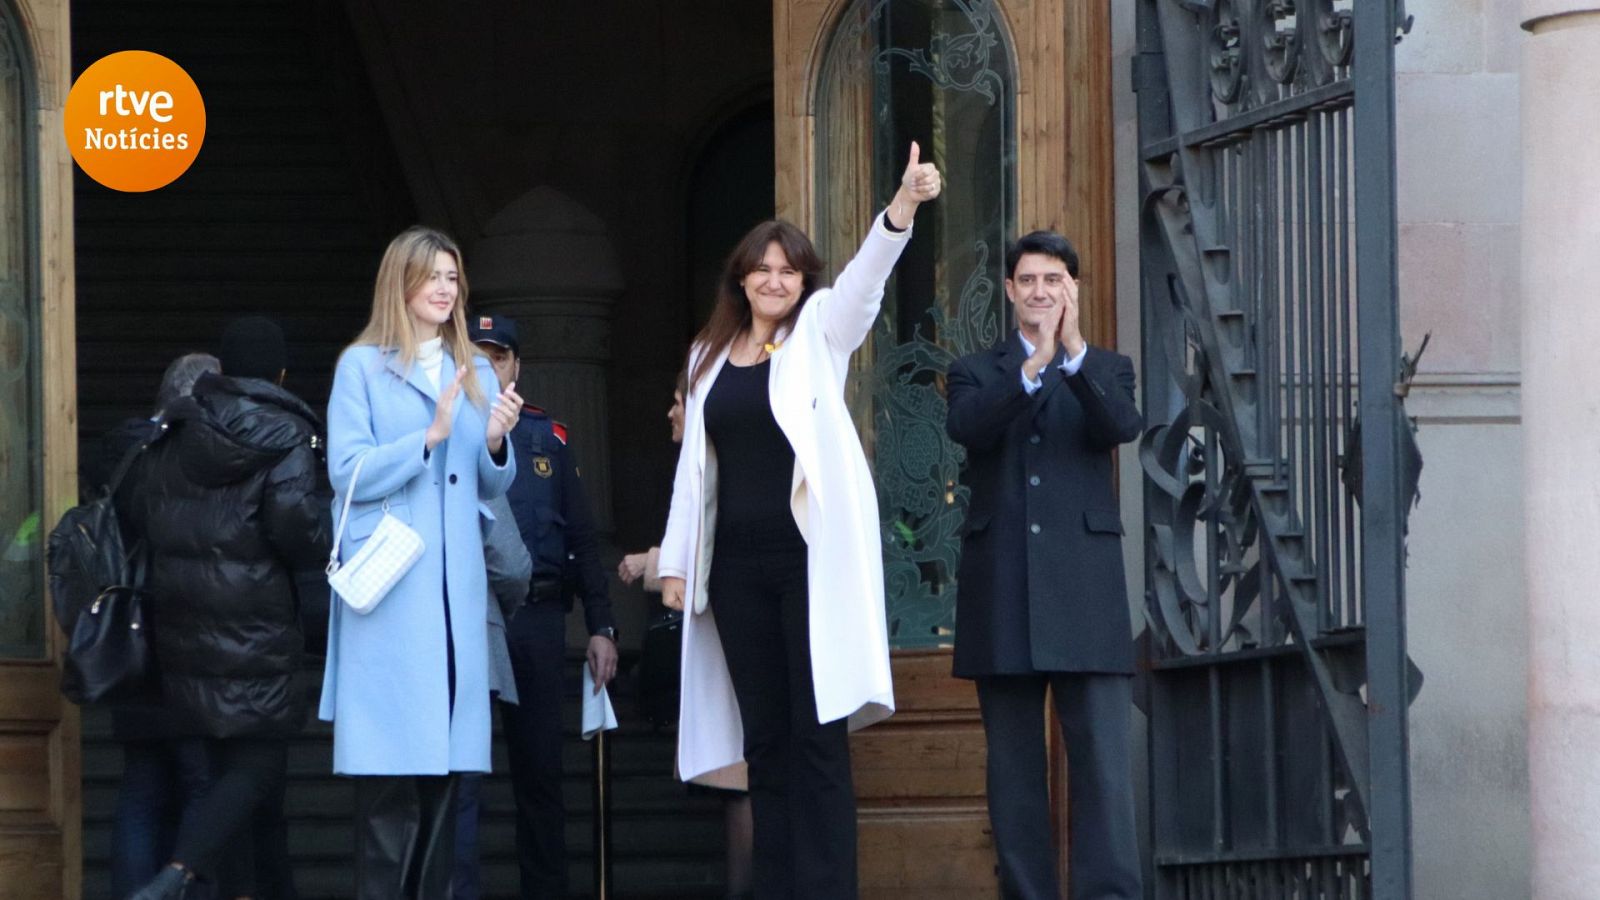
x=389, y=553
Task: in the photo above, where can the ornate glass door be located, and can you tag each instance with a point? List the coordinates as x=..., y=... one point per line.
x=938, y=72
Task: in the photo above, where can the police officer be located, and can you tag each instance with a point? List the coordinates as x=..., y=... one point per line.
x=553, y=515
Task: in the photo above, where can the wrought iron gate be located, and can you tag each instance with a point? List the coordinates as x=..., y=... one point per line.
x=1276, y=488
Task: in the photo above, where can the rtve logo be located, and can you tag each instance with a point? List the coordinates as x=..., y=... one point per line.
x=135, y=121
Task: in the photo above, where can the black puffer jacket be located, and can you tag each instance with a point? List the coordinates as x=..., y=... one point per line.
x=227, y=502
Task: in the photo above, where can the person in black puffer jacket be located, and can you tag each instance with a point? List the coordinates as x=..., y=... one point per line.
x=228, y=505
x=165, y=770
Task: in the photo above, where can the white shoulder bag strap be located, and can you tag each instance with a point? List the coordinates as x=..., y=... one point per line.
x=344, y=514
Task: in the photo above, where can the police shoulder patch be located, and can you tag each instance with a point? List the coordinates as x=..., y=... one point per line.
x=560, y=429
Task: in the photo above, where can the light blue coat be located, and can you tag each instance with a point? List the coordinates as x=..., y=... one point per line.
x=386, y=686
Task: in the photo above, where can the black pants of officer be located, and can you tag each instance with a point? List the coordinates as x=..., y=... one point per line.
x=1103, y=846
x=536, y=637
x=801, y=790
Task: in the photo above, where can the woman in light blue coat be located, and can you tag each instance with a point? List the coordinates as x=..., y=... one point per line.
x=406, y=684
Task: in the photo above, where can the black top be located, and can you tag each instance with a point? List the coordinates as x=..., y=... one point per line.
x=755, y=464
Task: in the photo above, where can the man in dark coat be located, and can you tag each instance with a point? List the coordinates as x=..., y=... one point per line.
x=1042, y=599
x=226, y=502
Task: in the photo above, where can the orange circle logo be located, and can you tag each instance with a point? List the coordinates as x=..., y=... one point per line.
x=135, y=121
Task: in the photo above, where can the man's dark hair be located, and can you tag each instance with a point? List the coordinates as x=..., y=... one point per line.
x=1047, y=243
x=178, y=380
x=252, y=347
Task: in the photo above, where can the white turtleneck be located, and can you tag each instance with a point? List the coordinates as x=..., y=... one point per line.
x=431, y=355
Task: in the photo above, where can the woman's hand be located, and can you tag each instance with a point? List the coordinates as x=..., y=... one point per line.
x=633, y=566
x=502, y=418
x=672, y=593
x=445, y=411
x=920, y=183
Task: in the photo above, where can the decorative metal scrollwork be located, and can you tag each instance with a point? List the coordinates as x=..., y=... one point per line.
x=1280, y=39
x=1227, y=53
x=1260, y=51
x=1334, y=32
x=1204, y=481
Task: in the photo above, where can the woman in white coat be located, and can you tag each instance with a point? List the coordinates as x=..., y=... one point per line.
x=772, y=544
x=406, y=685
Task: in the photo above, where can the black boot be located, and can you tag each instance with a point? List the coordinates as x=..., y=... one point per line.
x=171, y=884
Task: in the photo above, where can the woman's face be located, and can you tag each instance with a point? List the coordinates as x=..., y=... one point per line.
x=773, y=287
x=430, y=304
x=675, y=417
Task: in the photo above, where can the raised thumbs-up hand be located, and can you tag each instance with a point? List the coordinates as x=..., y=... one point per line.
x=919, y=184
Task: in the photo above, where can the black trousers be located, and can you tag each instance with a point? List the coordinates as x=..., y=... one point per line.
x=1103, y=847
x=405, y=836
x=217, y=837
x=537, y=639
x=802, y=796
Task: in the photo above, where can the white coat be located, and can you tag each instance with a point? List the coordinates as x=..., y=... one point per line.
x=834, y=504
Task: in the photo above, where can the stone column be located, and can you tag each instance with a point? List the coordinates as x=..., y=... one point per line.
x=1560, y=86
x=547, y=262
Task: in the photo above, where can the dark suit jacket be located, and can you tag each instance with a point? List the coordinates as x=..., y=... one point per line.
x=1041, y=584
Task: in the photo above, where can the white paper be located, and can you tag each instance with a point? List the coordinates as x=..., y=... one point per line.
x=598, y=715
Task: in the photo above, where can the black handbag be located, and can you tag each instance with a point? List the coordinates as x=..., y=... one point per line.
x=660, y=667
x=108, y=656
x=97, y=591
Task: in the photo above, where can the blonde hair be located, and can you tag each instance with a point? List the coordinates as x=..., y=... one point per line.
x=406, y=265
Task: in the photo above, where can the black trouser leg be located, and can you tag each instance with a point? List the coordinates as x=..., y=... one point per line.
x=536, y=637
x=386, y=820
x=1103, y=842
x=800, y=785
x=1018, y=785
x=246, y=772
x=1095, y=713
x=436, y=860
x=467, y=881
x=405, y=836
x=750, y=625
x=274, y=874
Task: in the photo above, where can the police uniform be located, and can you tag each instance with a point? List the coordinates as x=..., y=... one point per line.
x=553, y=516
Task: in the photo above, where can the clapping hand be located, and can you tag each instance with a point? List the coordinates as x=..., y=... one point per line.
x=1068, y=332
x=444, y=412
x=503, y=417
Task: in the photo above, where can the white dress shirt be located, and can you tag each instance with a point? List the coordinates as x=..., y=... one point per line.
x=1069, y=367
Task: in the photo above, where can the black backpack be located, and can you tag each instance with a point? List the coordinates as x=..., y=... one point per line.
x=91, y=570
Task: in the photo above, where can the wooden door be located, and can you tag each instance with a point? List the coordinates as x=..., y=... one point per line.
x=1012, y=99
x=39, y=799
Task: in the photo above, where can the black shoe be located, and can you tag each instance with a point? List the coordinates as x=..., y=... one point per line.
x=171, y=884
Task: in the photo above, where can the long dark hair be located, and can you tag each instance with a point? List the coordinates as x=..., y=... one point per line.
x=730, y=313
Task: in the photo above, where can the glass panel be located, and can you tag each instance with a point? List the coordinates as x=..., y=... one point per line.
x=938, y=72
x=21, y=540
